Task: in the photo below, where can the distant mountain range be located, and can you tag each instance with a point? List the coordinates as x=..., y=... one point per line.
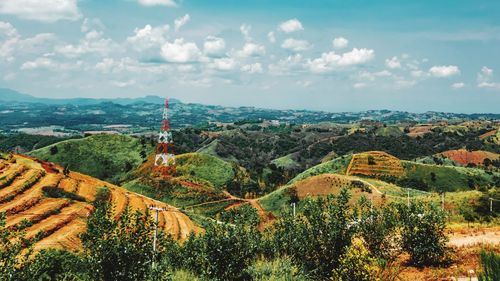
x=9, y=95
x=18, y=110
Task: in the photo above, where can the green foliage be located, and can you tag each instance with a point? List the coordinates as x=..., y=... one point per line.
x=319, y=237
x=490, y=264
x=26, y=142
x=56, y=192
x=101, y=156
x=355, y=264
x=11, y=247
x=243, y=215
x=118, y=250
x=422, y=233
x=338, y=165
x=223, y=253
x=279, y=269
x=207, y=167
x=54, y=265
x=379, y=229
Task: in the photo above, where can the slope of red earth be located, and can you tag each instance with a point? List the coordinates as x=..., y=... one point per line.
x=58, y=222
x=485, y=135
x=464, y=157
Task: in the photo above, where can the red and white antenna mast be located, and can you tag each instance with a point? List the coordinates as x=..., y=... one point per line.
x=165, y=159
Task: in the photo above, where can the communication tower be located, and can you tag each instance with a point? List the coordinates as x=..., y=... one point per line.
x=164, y=158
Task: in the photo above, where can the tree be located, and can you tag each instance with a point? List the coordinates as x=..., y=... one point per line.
x=317, y=238
x=371, y=160
x=355, y=265
x=12, y=244
x=117, y=250
x=422, y=233
x=487, y=162
x=54, y=150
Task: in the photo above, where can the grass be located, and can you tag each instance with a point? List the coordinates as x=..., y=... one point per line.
x=286, y=162
x=206, y=167
x=389, y=131
x=336, y=166
x=107, y=157
x=449, y=178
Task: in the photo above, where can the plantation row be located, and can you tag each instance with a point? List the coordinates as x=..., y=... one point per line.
x=375, y=163
x=52, y=207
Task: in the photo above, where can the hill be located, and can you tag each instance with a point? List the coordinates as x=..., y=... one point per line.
x=198, y=185
x=319, y=185
x=376, y=164
x=107, y=157
x=462, y=157
x=52, y=207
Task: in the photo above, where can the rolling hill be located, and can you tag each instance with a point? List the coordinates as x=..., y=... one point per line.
x=107, y=157
x=461, y=157
x=52, y=207
x=376, y=164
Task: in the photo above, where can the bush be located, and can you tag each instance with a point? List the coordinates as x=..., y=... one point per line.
x=317, y=238
x=355, y=265
x=423, y=234
x=490, y=264
x=281, y=269
x=56, y=192
x=379, y=229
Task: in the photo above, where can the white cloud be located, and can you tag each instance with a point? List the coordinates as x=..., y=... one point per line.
x=251, y=50
x=180, y=51
x=123, y=84
x=148, y=37
x=291, y=26
x=296, y=45
x=271, y=37
x=287, y=66
x=7, y=30
x=458, y=85
x=371, y=76
x=359, y=85
x=252, y=68
x=444, y=71
x=484, y=79
x=403, y=83
x=49, y=64
x=91, y=24
x=223, y=64
x=170, y=3
x=245, y=30
x=340, y=43
x=214, y=46
x=393, y=63
x=418, y=73
x=46, y=10
x=93, y=42
x=179, y=22
x=12, y=45
x=329, y=61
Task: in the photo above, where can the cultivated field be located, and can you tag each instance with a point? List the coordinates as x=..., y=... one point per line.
x=55, y=219
x=375, y=163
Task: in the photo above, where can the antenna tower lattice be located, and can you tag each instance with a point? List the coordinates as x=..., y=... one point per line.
x=164, y=158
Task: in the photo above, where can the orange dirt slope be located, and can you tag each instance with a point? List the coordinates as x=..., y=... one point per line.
x=58, y=222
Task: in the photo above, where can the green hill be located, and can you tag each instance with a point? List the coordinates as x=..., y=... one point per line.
x=107, y=157
x=206, y=167
x=415, y=175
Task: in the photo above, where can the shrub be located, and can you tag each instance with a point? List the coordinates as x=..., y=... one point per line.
x=280, y=269
x=56, y=192
x=355, y=264
x=423, y=234
x=317, y=238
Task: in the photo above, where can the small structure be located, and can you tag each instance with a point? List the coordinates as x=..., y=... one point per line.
x=164, y=164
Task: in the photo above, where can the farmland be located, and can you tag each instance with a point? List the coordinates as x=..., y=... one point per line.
x=52, y=207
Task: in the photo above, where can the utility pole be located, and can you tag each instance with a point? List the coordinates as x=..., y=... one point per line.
x=293, y=206
x=491, y=205
x=157, y=210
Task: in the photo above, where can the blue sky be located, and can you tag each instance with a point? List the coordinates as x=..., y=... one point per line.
x=327, y=55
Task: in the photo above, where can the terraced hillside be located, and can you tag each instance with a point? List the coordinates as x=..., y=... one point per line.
x=52, y=208
x=375, y=163
x=408, y=174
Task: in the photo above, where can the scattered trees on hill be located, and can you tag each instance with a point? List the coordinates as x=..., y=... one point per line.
x=328, y=239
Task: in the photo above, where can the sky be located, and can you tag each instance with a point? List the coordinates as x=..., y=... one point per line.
x=332, y=55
